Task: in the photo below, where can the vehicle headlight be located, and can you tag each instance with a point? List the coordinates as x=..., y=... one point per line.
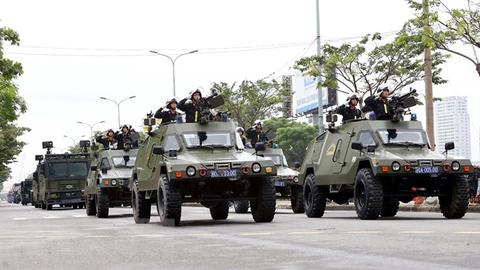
x=191, y=171
x=396, y=166
x=256, y=168
x=455, y=166
x=295, y=179
x=113, y=182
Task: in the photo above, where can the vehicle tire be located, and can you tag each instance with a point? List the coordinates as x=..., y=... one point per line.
x=314, y=197
x=141, y=207
x=169, y=202
x=101, y=203
x=455, y=205
x=49, y=206
x=241, y=207
x=368, y=195
x=220, y=211
x=390, y=207
x=43, y=205
x=263, y=208
x=75, y=206
x=296, y=199
x=90, y=206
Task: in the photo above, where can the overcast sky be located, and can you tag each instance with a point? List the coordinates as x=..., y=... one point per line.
x=236, y=40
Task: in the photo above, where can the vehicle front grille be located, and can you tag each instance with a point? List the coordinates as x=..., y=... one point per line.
x=425, y=163
x=236, y=165
x=222, y=166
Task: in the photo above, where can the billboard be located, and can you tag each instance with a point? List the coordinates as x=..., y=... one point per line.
x=306, y=95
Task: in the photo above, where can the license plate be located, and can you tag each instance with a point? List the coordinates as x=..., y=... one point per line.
x=279, y=183
x=426, y=170
x=223, y=173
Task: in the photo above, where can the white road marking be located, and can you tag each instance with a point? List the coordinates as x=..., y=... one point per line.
x=98, y=236
x=149, y=235
x=364, y=232
x=416, y=232
x=78, y=216
x=255, y=233
x=51, y=217
x=20, y=218
x=466, y=232
x=305, y=233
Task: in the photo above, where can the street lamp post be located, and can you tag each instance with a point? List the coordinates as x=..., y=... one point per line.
x=73, y=139
x=173, y=61
x=118, y=105
x=91, y=126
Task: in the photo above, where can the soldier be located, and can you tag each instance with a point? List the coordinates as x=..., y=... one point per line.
x=351, y=112
x=108, y=140
x=169, y=115
x=192, y=107
x=380, y=105
x=255, y=133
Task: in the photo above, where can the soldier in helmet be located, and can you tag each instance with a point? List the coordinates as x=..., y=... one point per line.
x=192, y=107
x=170, y=114
x=351, y=112
x=255, y=133
x=241, y=132
x=380, y=105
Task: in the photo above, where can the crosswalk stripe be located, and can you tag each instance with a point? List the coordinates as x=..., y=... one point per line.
x=255, y=234
x=466, y=232
x=416, y=232
x=51, y=217
x=20, y=218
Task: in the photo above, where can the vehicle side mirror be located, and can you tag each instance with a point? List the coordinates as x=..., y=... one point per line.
x=357, y=146
x=449, y=146
x=158, y=150
x=93, y=168
x=260, y=146
x=85, y=143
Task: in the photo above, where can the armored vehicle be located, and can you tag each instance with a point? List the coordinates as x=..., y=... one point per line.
x=62, y=178
x=201, y=162
x=26, y=190
x=10, y=196
x=379, y=163
x=35, y=194
x=107, y=184
x=16, y=195
x=286, y=181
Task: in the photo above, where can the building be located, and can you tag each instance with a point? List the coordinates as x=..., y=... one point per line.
x=452, y=124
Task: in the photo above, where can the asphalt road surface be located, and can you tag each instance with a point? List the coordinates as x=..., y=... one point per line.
x=67, y=239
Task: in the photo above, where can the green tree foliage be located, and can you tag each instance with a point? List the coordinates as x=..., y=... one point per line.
x=250, y=101
x=444, y=27
x=362, y=67
x=292, y=137
x=11, y=106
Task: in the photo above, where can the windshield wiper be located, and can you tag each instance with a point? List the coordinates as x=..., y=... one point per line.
x=407, y=144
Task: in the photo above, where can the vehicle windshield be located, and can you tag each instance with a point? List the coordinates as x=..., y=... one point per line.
x=209, y=139
x=67, y=169
x=277, y=159
x=124, y=161
x=403, y=136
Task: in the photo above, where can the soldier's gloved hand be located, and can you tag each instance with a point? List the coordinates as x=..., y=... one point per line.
x=188, y=101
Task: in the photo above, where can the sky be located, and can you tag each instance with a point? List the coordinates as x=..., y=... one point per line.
x=74, y=52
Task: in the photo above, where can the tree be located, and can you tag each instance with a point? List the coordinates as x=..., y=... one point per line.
x=445, y=27
x=11, y=106
x=252, y=100
x=292, y=137
x=362, y=67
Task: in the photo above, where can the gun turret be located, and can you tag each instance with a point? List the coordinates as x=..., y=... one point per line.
x=401, y=103
x=211, y=102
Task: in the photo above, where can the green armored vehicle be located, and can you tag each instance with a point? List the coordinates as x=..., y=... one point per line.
x=26, y=190
x=16, y=193
x=201, y=162
x=378, y=164
x=35, y=193
x=286, y=181
x=108, y=181
x=61, y=178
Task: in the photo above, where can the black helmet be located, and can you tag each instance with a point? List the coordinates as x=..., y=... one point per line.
x=173, y=100
x=352, y=97
x=195, y=91
x=382, y=88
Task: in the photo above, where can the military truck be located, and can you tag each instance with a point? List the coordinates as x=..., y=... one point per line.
x=202, y=162
x=286, y=181
x=107, y=184
x=62, y=178
x=378, y=164
x=16, y=195
x=10, y=196
x=35, y=193
x=26, y=190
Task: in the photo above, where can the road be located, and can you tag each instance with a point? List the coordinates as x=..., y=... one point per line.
x=67, y=239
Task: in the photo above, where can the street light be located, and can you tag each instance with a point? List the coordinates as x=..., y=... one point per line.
x=91, y=126
x=118, y=105
x=73, y=139
x=173, y=64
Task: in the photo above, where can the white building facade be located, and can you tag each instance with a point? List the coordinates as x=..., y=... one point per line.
x=452, y=124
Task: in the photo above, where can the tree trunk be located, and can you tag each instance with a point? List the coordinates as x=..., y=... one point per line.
x=478, y=69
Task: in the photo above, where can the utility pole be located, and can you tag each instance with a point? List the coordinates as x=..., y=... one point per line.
x=428, y=82
x=320, y=96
